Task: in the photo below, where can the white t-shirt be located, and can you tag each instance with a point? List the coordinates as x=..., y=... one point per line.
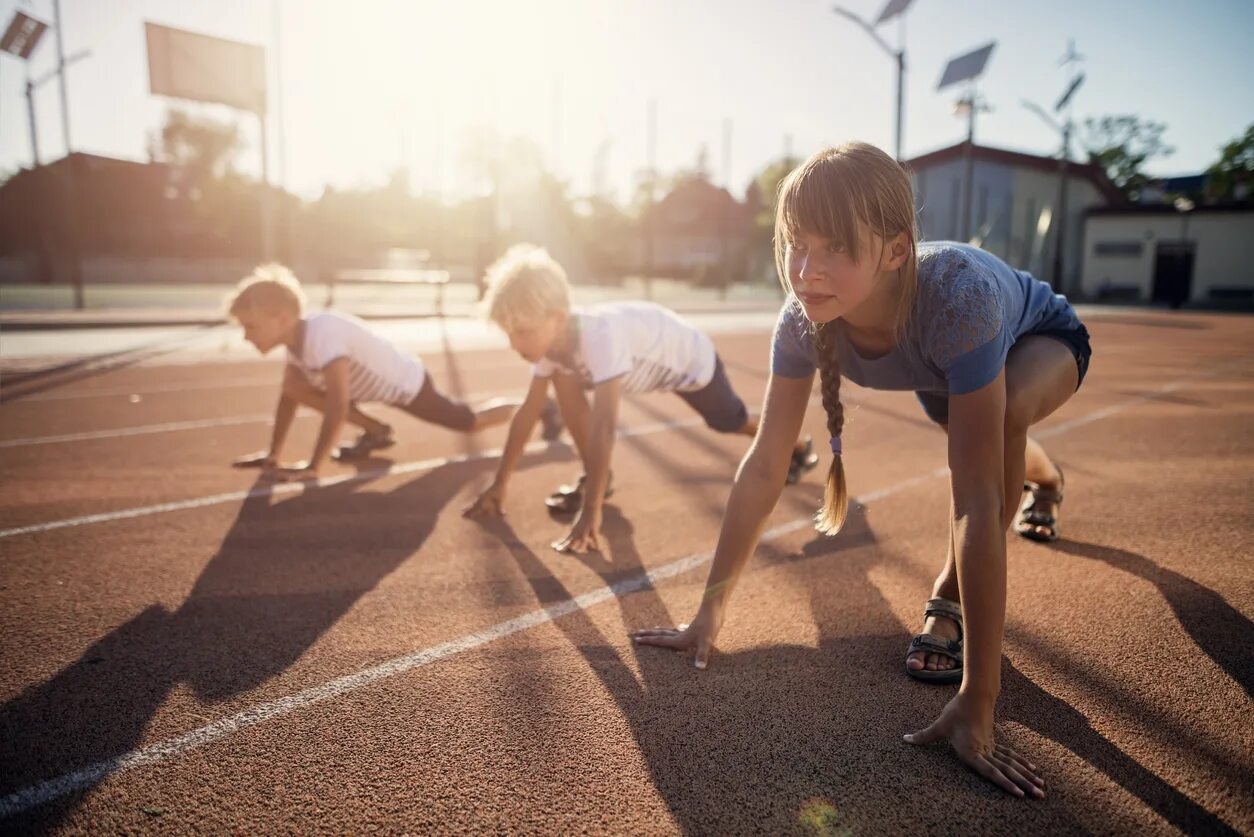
x=377, y=370
x=643, y=341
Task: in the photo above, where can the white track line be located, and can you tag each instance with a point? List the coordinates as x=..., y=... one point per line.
x=35, y=795
x=140, y=430
x=174, y=426
x=87, y=777
x=233, y=383
x=289, y=488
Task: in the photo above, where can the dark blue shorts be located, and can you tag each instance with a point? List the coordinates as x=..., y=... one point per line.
x=936, y=404
x=718, y=403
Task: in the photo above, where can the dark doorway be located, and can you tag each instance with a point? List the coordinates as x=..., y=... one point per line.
x=1173, y=272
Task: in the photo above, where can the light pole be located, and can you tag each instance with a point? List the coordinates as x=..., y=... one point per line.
x=968, y=68
x=1064, y=159
x=33, y=85
x=895, y=8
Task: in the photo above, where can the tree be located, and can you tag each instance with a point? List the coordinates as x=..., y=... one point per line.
x=203, y=147
x=762, y=199
x=1122, y=145
x=1232, y=177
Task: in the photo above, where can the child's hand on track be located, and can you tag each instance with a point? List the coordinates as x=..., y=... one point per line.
x=260, y=459
x=968, y=725
x=487, y=505
x=697, y=638
x=583, y=535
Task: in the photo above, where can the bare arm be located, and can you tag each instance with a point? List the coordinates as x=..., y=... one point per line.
x=335, y=374
x=976, y=460
x=284, y=412
x=596, y=452
x=976, y=457
x=759, y=481
x=521, y=427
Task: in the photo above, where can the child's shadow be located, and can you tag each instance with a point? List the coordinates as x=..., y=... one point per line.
x=1219, y=629
x=787, y=738
x=284, y=575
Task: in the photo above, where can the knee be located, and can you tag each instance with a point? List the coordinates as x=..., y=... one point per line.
x=1020, y=413
x=297, y=388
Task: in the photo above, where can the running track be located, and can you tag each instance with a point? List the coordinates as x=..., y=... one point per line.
x=187, y=650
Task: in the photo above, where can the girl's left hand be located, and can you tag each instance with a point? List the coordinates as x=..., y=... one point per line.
x=968, y=725
x=583, y=535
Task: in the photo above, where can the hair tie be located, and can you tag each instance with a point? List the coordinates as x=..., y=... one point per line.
x=836, y=445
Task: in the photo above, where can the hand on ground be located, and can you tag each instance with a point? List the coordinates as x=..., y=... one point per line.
x=967, y=724
x=696, y=639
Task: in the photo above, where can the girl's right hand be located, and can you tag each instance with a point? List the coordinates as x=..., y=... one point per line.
x=697, y=638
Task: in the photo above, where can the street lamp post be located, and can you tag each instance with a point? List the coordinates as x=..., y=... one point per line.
x=895, y=8
x=968, y=68
x=1063, y=160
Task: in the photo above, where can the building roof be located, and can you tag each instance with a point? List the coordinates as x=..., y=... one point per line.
x=1089, y=171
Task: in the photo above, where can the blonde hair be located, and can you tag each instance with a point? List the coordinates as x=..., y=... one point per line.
x=272, y=288
x=524, y=286
x=834, y=194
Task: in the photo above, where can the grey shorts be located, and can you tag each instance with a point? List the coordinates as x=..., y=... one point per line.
x=936, y=404
x=718, y=403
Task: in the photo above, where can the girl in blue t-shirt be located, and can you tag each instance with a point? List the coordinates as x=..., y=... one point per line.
x=989, y=350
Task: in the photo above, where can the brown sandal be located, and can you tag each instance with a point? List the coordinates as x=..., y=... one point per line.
x=1031, y=517
x=932, y=644
x=568, y=499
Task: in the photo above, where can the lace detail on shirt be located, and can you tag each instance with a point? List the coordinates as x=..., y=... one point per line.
x=965, y=304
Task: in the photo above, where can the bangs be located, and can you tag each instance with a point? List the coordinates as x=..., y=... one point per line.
x=821, y=199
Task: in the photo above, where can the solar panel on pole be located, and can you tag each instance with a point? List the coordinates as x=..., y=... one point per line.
x=22, y=36
x=966, y=67
x=894, y=8
x=1071, y=89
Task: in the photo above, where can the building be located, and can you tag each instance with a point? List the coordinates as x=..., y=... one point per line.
x=1183, y=254
x=124, y=221
x=697, y=231
x=1014, y=204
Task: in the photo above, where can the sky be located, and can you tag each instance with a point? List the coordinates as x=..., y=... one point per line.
x=370, y=86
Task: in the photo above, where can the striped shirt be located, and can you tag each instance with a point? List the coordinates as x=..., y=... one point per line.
x=377, y=370
x=647, y=345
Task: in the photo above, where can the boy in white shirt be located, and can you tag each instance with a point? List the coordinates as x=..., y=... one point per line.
x=335, y=362
x=611, y=349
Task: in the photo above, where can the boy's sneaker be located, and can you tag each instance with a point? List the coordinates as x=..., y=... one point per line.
x=802, y=461
x=366, y=444
x=551, y=421
x=568, y=499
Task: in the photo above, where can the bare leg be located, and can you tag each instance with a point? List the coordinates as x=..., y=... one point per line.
x=299, y=389
x=1041, y=376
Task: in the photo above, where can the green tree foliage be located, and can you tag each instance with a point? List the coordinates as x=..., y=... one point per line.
x=1122, y=145
x=1232, y=177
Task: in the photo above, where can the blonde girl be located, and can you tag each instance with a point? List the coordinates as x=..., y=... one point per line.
x=989, y=351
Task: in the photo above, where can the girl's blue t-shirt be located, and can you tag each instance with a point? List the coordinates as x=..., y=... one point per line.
x=969, y=309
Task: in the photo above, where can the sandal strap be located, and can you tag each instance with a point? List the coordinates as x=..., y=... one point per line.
x=1047, y=495
x=1038, y=518
x=943, y=607
x=936, y=645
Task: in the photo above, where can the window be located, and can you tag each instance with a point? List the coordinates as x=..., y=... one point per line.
x=1118, y=249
